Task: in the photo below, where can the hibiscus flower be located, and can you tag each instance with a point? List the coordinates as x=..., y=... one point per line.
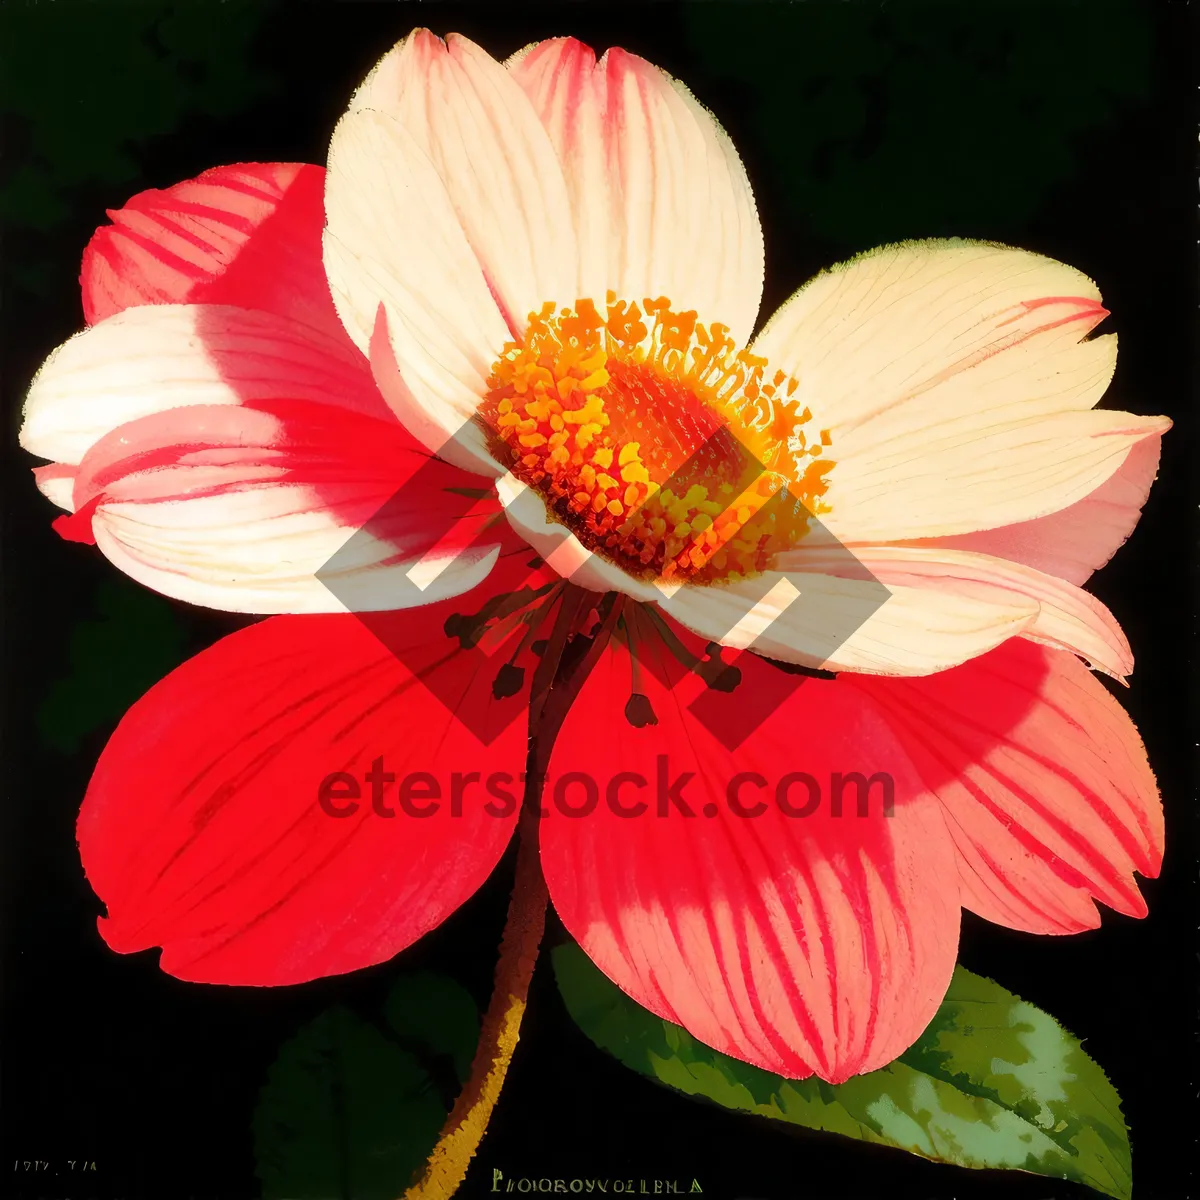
x=505, y=341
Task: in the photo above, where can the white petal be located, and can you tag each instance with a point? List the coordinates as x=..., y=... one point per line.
x=156, y=357
x=282, y=509
x=661, y=201
x=56, y=481
x=501, y=176
x=561, y=549
x=393, y=245
x=946, y=482
x=229, y=574
x=429, y=402
x=840, y=624
x=210, y=554
x=1067, y=617
x=956, y=388
x=1079, y=539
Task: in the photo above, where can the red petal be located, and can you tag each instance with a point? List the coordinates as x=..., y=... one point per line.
x=202, y=829
x=77, y=526
x=822, y=943
x=247, y=235
x=1044, y=780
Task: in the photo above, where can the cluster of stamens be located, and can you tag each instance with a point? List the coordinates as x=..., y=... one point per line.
x=656, y=440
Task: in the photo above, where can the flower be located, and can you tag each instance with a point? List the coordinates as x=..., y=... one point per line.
x=549, y=270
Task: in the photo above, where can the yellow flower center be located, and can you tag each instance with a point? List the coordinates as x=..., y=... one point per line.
x=656, y=441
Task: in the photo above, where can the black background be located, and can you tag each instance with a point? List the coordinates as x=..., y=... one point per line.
x=1065, y=128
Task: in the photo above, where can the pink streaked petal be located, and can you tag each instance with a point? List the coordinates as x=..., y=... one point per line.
x=496, y=185
x=1044, y=780
x=661, y=202
x=247, y=235
x=1066, y=617
x=240, y=509
x=953, y=374
x=202, y=830
x=849, y=621
x=801, y=945
x=405, y=280
x=56, y=481
x=154, y=358
x=434, y=409
x=911, y=317
x=955, y=480
x=1079, y=539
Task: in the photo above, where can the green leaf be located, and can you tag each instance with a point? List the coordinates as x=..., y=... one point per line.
x=345, y=1112
x=993, y=1081
x=437, y=1012
x=132, y=641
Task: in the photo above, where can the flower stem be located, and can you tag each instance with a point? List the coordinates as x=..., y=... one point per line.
x=498, y=1035
x=554, y=687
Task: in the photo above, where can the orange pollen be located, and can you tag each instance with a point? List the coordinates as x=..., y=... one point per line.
x=655, y=440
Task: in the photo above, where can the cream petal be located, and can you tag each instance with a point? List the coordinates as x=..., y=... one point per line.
x=56, y=481
x=223, y=567
x=430, y=406
x=956, y=388
x=289, y=508
x=152, y=358
x=500, y=178
x=393, y=246
x=1067, y=617
x=561, y=550
x=1079, y=539
x=947, y=482
x=850, y=624
x=661, y=201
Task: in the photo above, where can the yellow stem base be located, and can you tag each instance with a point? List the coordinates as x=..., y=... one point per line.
x=500, y=1030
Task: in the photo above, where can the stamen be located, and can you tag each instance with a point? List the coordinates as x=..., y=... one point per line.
x=500, y=617
x=655, y=440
